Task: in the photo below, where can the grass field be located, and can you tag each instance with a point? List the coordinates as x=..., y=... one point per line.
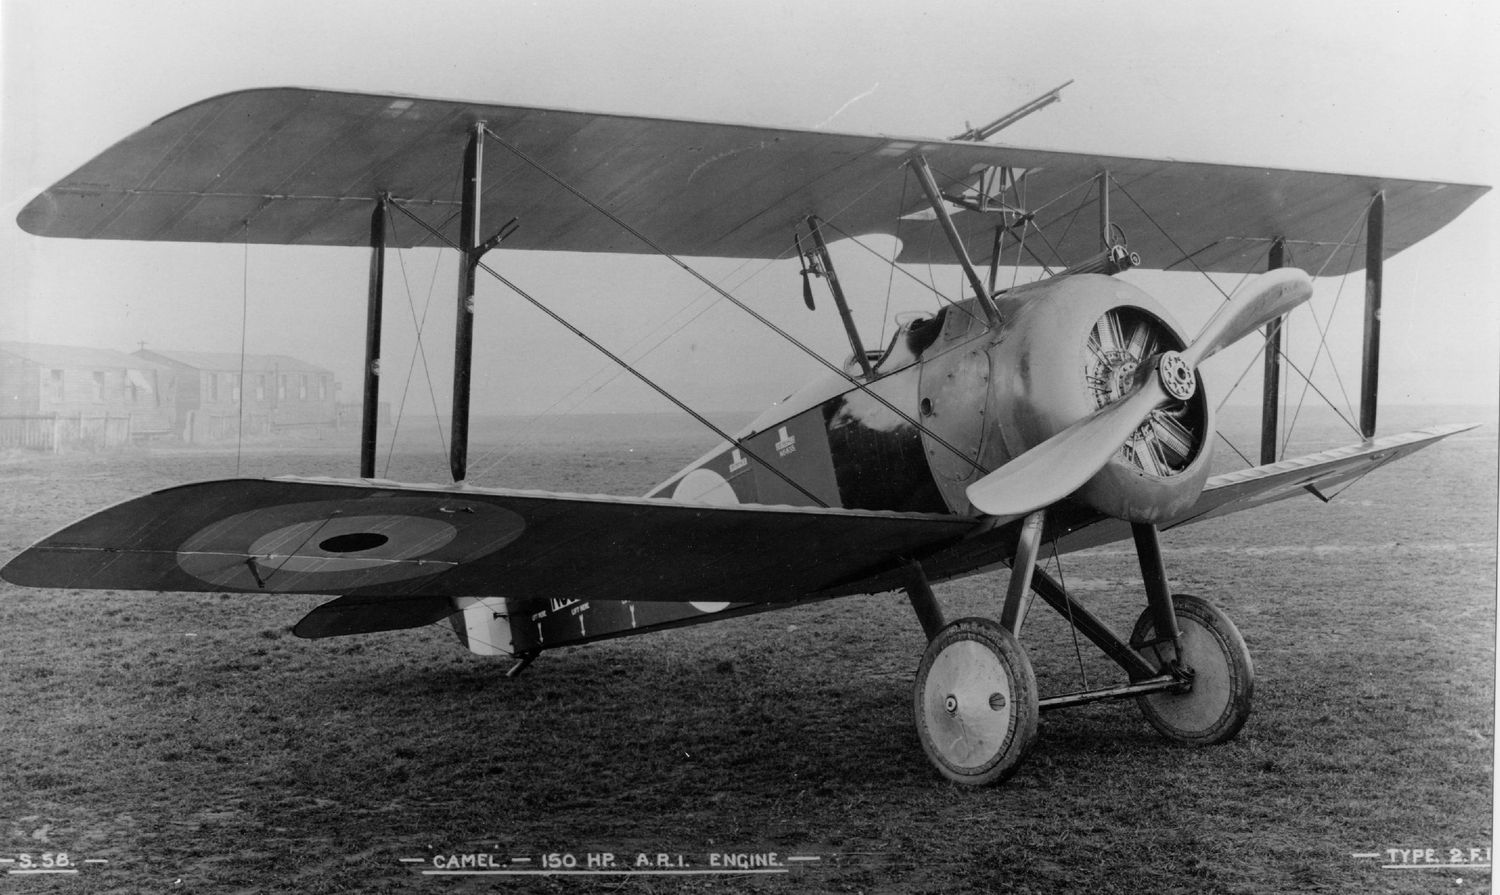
x=192, y=744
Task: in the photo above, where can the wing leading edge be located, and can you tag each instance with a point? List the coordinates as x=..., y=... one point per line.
x=1077, y=529
x=303, y=167
x=379, y=541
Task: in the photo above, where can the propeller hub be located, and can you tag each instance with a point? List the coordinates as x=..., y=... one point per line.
x=1177, y=378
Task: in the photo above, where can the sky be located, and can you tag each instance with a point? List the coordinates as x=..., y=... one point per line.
x=1405, y=90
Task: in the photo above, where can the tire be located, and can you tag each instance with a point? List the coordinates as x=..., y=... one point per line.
x=1217, y=704
x=975, y=702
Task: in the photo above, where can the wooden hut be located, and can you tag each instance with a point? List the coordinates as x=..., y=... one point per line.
x=277, y=392
x=56, y=395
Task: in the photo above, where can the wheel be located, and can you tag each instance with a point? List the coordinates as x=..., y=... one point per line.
x=975, y=702
x=1214, y=708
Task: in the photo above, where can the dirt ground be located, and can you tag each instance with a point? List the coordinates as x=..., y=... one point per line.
x=189, y=743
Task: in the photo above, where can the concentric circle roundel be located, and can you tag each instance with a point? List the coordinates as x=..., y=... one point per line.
x=346, y=544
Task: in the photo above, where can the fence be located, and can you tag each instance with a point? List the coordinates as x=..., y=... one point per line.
x=55, y=431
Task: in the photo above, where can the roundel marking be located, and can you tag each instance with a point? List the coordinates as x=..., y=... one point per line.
x=354, y=542
x=302, y=546
x=706, y=487
x=346, y=544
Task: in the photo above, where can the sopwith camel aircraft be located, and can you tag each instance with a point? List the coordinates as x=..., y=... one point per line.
x=1059, y=414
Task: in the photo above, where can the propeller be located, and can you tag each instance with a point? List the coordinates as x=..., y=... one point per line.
x=1063, y=463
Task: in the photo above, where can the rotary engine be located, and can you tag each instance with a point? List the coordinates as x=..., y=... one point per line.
x=1075, y=344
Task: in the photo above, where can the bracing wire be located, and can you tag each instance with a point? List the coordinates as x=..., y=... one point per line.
x=600, y=379
x=1306, y=377
x=931, y=287
x=890, y=280
x=1028, y=222
x=1025, y=221
x=419, y=352
x=725, y=294
x=505, y=281
x=1186, y=256
x=712, y=289
x=239, y=439
x=1073, y=218
x=1224, y=438
x=1347, y=243
x=1062, y=584
x=611, y=372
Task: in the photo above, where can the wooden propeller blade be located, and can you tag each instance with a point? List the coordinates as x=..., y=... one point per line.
x=1065, y=462
x=1259, y=301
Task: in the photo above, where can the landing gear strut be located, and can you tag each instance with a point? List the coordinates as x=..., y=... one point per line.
x=975, y=700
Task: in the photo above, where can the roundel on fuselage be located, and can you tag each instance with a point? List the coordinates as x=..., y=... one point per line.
x=707, y=487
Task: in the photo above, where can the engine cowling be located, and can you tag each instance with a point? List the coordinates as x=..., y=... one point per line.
x=1072, y=345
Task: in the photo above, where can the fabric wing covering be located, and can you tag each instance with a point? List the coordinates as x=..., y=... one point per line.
x=304, y=167
x=351, y=537
x=384, y=540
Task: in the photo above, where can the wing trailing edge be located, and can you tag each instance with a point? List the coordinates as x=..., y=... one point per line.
x=371, y=540
x=296, y=166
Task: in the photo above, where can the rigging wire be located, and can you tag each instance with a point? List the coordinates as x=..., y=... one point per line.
x=941, y=296
x=574, y=400
x=239, y=440
x=840, y=371
x=1286, y=413
x=419, y=351
x=1306, y=378
x=1224, y=438
x=1175, y=244
x=890, y=280
x=1073, y=218
x=1346, y=242
x=621, y=361
x=1293, y=416
x=612, y=372
x=711, y=290
x=1062, y=584
x=1026, y=222
x=609, y=373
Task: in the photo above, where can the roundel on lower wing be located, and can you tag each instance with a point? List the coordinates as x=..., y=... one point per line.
x=347, y=544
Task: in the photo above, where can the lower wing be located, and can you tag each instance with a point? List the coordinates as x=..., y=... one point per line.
x=1073, y=528
x=376, y=540
x=398, y=554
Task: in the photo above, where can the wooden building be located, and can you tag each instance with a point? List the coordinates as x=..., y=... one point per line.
x=279, y=393
x=56, y=395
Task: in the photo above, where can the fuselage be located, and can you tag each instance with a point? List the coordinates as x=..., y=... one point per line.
x=952, y=398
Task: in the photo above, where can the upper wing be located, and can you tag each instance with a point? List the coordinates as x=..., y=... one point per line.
x=384, y=540
x=303, y=167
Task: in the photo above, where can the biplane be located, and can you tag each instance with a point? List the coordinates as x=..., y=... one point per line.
x=1063, y=413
